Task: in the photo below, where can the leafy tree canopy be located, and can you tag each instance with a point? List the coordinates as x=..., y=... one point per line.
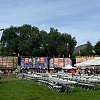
x=97, y=48
x=28, y=40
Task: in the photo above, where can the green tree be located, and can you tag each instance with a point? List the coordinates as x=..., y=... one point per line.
x=87, y=50
x=44, y=43
x=9, y=43
x=30, y=41
x=97, y=48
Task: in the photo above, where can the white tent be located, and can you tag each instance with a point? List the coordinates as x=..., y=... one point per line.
x=93, y=62
x=52, y=68
x=68, y=67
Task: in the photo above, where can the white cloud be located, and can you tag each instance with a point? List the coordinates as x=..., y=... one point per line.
x=76, y=17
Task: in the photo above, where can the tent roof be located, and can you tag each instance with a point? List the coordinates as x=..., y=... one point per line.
x=68, y=67
x=93, y=62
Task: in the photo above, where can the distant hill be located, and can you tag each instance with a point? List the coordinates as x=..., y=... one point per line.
x=78, y=48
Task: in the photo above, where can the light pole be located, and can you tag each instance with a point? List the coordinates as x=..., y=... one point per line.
x=66, y=54
x=2, y=56
x=67, y=49
x=93, y=53
x=1, y=29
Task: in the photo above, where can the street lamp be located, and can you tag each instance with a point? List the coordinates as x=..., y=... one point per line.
x=66, y=54
x=2, y=56
x=1, y=29
x=67, y=50
x=93, y=53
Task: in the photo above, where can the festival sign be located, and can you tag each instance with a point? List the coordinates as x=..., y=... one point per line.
x=38, y=62
x=59, y=62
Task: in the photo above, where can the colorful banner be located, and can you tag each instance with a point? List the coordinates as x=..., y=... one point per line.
x=82, y=59
x=59, y=62
x=38, y=62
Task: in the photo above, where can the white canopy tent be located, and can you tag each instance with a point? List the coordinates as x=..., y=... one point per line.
x=89, y=63
x=68, y=67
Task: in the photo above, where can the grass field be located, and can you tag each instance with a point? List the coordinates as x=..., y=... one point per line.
x=18, y=89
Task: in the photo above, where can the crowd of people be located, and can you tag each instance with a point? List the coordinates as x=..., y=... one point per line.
x=88, y=71
x=92, y=71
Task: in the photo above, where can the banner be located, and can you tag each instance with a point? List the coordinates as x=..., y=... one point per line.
x=38, y=62
x=59, y=62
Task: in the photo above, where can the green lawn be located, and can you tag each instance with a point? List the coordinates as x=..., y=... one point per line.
x=12, y=89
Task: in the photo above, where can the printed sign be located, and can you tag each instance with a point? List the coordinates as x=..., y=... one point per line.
x=38, y=62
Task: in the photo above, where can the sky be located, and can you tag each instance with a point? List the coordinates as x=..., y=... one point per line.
x=80, y=18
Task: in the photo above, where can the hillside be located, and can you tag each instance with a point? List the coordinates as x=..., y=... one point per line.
x=78, y=48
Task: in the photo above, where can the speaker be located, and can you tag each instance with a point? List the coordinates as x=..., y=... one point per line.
x=19, y=61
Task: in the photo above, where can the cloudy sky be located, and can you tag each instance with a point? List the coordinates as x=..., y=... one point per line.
x=80, y=18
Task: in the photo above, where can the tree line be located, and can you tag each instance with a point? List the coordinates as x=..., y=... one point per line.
x=27, y=40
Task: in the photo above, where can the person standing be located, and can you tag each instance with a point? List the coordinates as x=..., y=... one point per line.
x=73, y=72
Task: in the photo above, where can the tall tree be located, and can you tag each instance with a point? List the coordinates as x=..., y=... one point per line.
x=87, y=50
x=97, y=48
x=9, y=43
x=30, y=41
